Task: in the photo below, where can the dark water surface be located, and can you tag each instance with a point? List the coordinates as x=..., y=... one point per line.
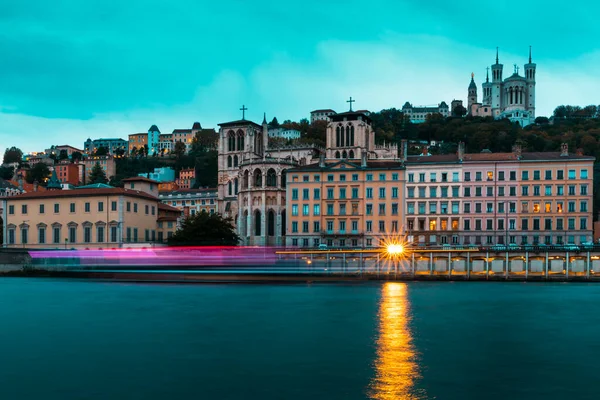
x=90, y=340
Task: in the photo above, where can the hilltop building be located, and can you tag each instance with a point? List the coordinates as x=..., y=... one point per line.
x=419, y=115
x=512, y=98
x=321, y=115
x=112, y=144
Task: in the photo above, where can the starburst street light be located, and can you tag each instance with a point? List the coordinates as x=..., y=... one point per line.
x=394, y=247
x=394, y=250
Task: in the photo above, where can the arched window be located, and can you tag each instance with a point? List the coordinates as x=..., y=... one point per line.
x=228, y=161
x=344, y=155
x=229, y=187
x=341, y=136
x=337, y=154
x=230, y=141
x=283, y=178
x=351, y=154
x=348, y=136
x=235, y=161
x=235, y=186
x=258, y=178
x=337, y=136
x=257, y=223
x=271, y=178
x=240, y=141
x=246, y=181
x=271, y=223
x=352, y=135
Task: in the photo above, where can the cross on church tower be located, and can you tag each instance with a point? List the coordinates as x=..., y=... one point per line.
x=243, y=110
x=350, y=101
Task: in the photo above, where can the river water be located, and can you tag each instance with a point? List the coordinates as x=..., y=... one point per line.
x=62, y=339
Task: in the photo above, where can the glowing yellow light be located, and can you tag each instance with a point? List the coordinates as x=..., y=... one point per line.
x=395, y=249
x=308, y=262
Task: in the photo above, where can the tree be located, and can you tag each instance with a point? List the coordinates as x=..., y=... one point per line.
x=7, y=173
x=541, y=120
x=146, y=150
x=97, y=175
x=179, y=149
x=119, y=152
x=63, y=155
x=39, y=173
x=134, y=151
x=204, y=229
x=101, y=151
x=76, y=156
x=12, y=155
x=205, y=139
x=459, y=111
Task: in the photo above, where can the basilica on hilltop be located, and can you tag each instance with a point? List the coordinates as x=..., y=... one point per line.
x=512, y=98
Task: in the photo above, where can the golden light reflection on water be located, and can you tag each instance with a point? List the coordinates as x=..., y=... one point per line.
x=396, y=367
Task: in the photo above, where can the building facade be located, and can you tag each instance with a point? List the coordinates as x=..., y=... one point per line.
x=137, y=141
x=512, y=98
x=288, y=134
x=419, y=115
x=191, y=201
x=186, y=178
x=82, y=218
x=163, y=174
x=112, y=144
x=252, y=179
x=67, y=172
x=106, y=162
x=321, y=115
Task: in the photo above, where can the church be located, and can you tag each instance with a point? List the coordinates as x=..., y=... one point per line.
x=252, y=180
x=253, y=176
x=512, y=98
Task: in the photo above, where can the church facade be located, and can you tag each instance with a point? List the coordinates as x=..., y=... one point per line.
x=512, y=98
x=252, y=180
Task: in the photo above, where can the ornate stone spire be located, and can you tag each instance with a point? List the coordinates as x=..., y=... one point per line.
x=496, y=55
x=54, y=183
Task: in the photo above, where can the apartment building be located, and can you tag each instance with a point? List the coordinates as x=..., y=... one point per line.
x=499, y=198
x=191, y=201
x=84, y=218
x=107, y=163
x=344, y=203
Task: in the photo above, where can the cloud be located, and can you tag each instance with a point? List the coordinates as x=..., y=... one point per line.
x=382, y=73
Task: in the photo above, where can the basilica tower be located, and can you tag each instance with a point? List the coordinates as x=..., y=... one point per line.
x=496, y=98
x=472, y=99
x=530, y=79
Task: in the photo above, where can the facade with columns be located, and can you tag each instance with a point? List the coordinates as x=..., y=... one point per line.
x=252, y=180
x=512, y=98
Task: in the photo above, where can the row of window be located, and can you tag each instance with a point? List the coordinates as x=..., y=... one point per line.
x=537, y=207
x=342, y=193
x=489, y=191
x=86, y=208
x=342, y=177
x=489, y=175
x=193, y=202
x=477, y=225
x=150, y=235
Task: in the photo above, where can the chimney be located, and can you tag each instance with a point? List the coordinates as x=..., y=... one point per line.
x=579, y=152
x=35, y=186
x=363, y=159
x=403, y=150
x=20, y=182
x=461, y=151
x=564, y=150
x=425, y=150
x=322, y=160
x=517, y=151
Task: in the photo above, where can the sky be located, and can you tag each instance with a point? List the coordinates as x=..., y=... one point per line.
x=71, y=70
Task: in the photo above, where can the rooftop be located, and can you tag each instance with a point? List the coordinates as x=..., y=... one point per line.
x=49, y=194
x=140, y=179
x=239, y=122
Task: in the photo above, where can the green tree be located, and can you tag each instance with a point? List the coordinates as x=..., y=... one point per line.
x=97, y=175
x=12, y=155
x=76, y=156
x=101, y=151
x=7, y=172
x=134, y=151
x=459, y=111
x=39, y=173
x=179, y=149
x=204, y=140
x=119, y=152
x=204, y=229
x=63, y=155
x=146, y=150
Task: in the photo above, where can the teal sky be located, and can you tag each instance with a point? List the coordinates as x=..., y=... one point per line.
x=72, y=70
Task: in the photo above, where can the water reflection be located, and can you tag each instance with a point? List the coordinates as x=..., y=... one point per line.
x=396, y=368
